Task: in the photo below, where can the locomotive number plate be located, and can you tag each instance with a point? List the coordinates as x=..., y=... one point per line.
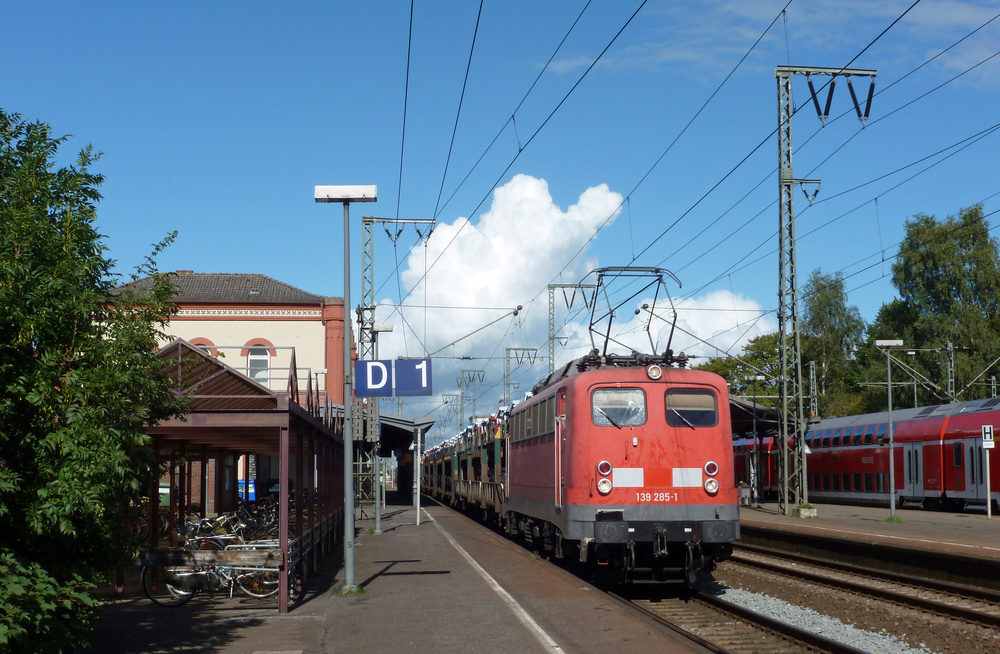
x=655, y=497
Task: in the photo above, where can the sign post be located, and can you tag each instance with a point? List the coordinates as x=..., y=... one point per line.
x=987, y=446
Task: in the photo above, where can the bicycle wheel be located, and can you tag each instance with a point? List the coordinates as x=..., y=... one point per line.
x=258, y=583
x=154, y=583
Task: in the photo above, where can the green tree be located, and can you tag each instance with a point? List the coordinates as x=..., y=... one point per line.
x=948, y=277
x=759, y=357
x=831, y=333
x=80, y=381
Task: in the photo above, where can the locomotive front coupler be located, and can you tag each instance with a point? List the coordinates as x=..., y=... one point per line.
x=659, y=541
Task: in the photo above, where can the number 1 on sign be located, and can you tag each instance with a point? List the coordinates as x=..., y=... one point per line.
x=422, y=367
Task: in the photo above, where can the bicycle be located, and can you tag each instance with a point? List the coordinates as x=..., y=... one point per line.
x=173, y=586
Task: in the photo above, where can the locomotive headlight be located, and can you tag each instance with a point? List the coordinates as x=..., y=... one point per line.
x=654, y=372
x=604, y=486
x=711, y=468
x=604, y=468
x=711, y=486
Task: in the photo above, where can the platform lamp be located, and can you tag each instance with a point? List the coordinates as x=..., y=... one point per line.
x=347, y=195
x=755, y=487
x=888, y=345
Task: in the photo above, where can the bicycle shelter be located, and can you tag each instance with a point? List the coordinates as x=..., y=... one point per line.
x=232, y=416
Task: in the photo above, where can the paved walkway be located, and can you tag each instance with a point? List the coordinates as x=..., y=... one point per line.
x=446, y=585
x=969, y=534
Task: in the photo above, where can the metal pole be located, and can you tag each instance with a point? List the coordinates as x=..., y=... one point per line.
x=892, y=475
x=416, y=473
x=378, y=457
x=989, y=498
x=349, y=584
x=756, y=451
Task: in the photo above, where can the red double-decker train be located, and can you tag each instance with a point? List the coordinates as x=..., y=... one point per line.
x=939, y=460
x=621, y=463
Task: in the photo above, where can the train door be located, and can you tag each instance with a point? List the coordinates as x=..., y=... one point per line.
x=913, y=471
x=558, y=409
x=975, y=472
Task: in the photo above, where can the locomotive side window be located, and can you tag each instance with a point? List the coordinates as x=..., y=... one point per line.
x=690, y=407
x=618, y=407
x=958, y=455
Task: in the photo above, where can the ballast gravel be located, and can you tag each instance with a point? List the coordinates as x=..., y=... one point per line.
x=828, y=627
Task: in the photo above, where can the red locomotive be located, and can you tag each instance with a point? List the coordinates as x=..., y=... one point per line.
x=623, y=463
x=939, y=458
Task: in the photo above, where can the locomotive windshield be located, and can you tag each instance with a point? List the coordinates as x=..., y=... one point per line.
x=691, y=407
x=618, y=407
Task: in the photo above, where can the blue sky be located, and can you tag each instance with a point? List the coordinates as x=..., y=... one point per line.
x=218, y=119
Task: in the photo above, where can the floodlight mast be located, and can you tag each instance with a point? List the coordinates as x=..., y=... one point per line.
x=346, y=195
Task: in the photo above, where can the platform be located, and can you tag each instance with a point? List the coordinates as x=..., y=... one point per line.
x=446, y=585
x=966, y=534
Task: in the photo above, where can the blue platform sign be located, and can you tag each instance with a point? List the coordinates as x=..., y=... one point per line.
x=413, y=376
x=387, y=378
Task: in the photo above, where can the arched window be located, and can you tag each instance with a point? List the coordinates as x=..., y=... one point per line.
x=259, y=364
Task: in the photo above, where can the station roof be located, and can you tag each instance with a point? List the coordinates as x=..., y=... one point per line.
x=229, y=411
x=242, y=288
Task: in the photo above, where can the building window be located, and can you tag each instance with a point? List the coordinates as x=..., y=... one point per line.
x=258, y=364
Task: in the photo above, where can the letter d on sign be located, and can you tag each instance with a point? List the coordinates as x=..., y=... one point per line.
x=377, y=368
x=373, y=378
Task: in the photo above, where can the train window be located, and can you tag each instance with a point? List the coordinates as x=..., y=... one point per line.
x=857, y=482
x=836, y=481
x=847, y=481
x=856, y=439
x=531, y=422
x=868, y=482
x=809, y=438
x=958, y=455
x=543, y=417
x=520, y=426
x=869, y=435
x=880, y=433
x=826, y=481
x=815, y=484
x=691, y=407
x=835, y=441
x=826, y=437
x=879, y=482
x=550, y=413
x=618, y=407
x=846, y=439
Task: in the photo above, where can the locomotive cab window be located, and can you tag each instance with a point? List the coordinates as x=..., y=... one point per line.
x=691, y=407
x=618, y=407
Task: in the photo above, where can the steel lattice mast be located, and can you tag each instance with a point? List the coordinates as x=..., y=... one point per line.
x=792, y=425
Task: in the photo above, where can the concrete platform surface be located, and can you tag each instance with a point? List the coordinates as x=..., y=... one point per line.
x=968, y=534
x=445, y=585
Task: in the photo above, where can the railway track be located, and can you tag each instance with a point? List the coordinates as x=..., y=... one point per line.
x=726, y=628
x=973, y=605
